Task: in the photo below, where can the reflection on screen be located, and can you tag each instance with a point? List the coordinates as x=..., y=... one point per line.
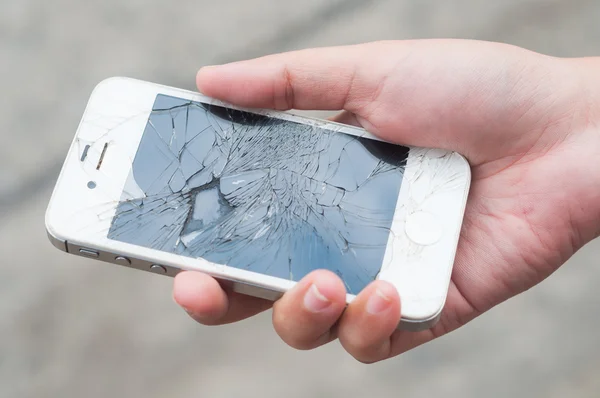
x=261, y=194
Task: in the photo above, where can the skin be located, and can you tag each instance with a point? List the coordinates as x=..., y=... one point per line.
x=527, y=123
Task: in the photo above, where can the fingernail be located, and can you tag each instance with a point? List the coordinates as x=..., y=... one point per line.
x=314, y=300
x=378, y=302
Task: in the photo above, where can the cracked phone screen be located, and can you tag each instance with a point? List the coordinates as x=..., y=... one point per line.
x=262, y=194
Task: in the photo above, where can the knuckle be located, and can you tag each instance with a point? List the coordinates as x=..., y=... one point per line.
x=288, y=88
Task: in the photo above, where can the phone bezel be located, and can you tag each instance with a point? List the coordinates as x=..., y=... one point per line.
x=82, y=216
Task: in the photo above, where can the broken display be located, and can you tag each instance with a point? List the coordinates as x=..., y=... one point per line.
x=262, y=194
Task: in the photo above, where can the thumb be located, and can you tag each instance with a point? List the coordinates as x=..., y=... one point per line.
x=448, y=94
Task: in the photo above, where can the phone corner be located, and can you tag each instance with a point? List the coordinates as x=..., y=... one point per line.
x=464, y=164
x=421, y=324
x=112, y=83
x=55, y=240
x=53, y=232
x=416, y=326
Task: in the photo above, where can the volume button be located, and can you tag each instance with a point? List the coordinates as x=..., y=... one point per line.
x=158, y=269
x=89, y=253
x=122, y=260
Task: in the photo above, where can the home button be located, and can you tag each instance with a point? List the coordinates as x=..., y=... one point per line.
x=423, y=228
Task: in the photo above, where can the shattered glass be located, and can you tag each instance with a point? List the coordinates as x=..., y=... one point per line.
x=267, y=195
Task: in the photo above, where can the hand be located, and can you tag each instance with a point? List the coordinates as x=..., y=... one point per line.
x=527, y=123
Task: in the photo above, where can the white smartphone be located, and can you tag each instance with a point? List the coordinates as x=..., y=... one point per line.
x=163, y=180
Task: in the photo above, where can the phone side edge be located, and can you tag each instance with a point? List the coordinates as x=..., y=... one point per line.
x=416, y=325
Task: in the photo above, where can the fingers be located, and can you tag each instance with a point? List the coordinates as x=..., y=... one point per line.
x=369, y=322
x=304, y=316
x=308, y=315
x=325, y=78
x=204, y=299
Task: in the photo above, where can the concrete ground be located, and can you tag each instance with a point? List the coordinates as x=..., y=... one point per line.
x=76, y=328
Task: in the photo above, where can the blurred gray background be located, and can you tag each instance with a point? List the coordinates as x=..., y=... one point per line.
x=76, y=328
